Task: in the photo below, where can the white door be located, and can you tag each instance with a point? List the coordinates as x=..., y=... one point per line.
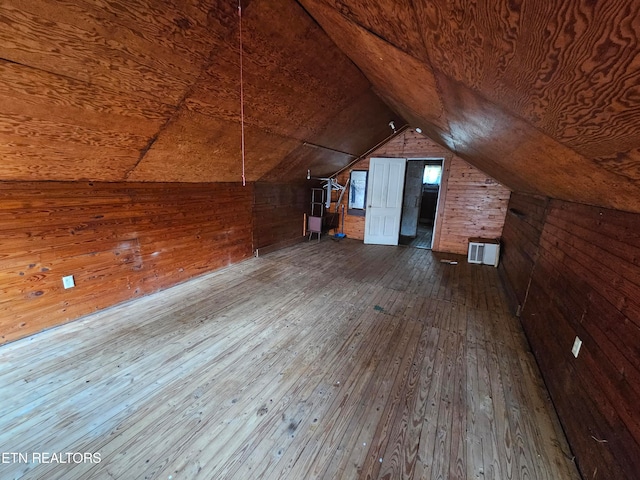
x=384, y=200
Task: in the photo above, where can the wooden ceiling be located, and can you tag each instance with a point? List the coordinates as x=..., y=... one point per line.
x=542, y=95
x=149, y=91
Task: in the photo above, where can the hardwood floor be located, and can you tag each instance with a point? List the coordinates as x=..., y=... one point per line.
x=324, y=360
x=421, y=240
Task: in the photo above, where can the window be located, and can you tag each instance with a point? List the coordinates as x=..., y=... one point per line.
x=432, y=175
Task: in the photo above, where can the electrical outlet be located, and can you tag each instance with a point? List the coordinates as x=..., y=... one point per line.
x=577, y=343
x=68, y=282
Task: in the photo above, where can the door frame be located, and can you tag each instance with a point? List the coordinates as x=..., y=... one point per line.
x=440, y=202
x=442, y=198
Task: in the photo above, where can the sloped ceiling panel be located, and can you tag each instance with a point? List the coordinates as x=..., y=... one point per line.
x=86, y=85
x=149, y=91
x=395, y=73
x=194, y=147
x=544, y=96
x=297, y=84
x=351, y=130
x=53, y=127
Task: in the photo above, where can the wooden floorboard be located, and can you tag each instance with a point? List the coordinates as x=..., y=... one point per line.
x=322, y=360
x=422, y=239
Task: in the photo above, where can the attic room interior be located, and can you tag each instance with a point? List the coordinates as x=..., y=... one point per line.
x=167, y=313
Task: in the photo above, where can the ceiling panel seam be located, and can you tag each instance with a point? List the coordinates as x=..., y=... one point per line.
x=431, y=67
x=179, y=106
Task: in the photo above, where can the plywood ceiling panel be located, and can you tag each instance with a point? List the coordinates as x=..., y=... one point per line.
x=50, y=37
x=626, y=164
x=356, y=118
x=91, y=103
x=544, y=96
x=65, y=161
x=53, y=127
x=392, y=71
x=393, y=22
x=157, y=86
x=195, y=147
x=485, y=132
x=85, y=86
x=285, y=91
x=318, y=161
x=290, y=98
x=322, y=161
x=569, y=68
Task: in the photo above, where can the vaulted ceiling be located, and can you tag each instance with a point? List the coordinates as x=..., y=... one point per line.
x=542, y=95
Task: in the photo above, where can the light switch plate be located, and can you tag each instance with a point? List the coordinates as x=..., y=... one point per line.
x=68, y=282
x=577, y=343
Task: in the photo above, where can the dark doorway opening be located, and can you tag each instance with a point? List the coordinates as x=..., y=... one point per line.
x=422, y=188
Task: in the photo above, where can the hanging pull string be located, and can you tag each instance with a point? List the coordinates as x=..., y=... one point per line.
x=241, y=93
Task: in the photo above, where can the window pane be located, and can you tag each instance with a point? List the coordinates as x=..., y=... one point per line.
x=432, y=174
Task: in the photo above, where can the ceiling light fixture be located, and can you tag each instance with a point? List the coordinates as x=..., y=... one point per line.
x=418, y=129
x=393, y=126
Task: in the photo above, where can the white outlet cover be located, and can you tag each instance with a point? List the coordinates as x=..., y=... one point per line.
x=577, y=343
x=68, y=282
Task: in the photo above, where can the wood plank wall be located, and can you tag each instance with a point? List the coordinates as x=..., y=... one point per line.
x=586, y=283
x=278, y=213
x=475, y=205
x=472, y=204
x=407, y=144
x=520, y=241
x=119, y=240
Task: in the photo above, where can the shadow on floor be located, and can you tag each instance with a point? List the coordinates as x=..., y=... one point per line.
x=421, y=240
